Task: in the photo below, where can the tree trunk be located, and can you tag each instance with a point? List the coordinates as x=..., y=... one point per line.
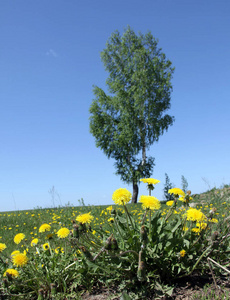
x=135, y=192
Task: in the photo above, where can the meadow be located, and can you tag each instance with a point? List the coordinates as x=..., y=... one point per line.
x=133, y=251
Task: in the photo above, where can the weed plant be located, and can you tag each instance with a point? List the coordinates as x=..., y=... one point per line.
x=137, y=250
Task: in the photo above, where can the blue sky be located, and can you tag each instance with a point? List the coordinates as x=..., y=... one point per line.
x=49, y=62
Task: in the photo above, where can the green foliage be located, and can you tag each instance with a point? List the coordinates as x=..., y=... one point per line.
x=184, y=183
x=136, y=252
x=128, y=120
x=167, y=186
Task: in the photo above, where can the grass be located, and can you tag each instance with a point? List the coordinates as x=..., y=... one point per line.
x=28, y=223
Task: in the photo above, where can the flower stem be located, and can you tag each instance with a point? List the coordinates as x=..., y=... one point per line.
x=127, y=214
x=150, y=235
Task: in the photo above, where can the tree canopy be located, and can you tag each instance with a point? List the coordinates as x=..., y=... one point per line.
x=130, y=117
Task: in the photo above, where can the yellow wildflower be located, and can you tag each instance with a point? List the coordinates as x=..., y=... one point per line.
x=12, y=272
x=2, y=247
x=19, y=237
x=150, y=202
x=150, y=180
x=194, y=214
x=84, y=218
x=19, y=259
x=46, y=246
x=121, y=196
x=182, y=253
x=44, y=227
x=176, y=192
x=34, y=242
x=63, y=233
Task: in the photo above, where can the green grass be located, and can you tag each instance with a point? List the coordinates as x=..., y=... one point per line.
x=29, y=221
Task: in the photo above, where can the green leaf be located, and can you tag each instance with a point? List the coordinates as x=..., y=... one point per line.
x=125, y=296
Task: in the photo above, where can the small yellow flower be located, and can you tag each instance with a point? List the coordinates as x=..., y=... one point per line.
x=46, y=246
x=213, y=220
x=84, y=218
x=2, y=247
x=59, y=249
x=182, y=253
x=196, y=230
x=34, y=242
x=170, y=203
x=12, y=272
x=14, y=253
x=44, y=227
x=194, y=214
x=19, y=237
x=49, y=236
x=19, y=259
x=176, y=192
x=63, y=233
x=121, y=196
x=202, y=226
x=150, y=180
x=150, y=202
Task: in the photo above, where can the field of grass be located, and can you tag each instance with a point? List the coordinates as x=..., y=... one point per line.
x=133, y=251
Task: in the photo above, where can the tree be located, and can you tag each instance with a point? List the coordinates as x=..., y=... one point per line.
x=167, y=186
x=130, y=118
x=184, y=183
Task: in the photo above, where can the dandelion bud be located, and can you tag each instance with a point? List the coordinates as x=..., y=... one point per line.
x=90, y=228
x=108, y=244
x=41, y=294
x=215, y=235
x=143, y=234
x=82, y=227
x=141, y=271
x=150, y=187
x=86, y=252
x=211, y=213
x=189, y=192
x=53, y=289
x=114, y=244
x=5, y=282
x=113, y=212
x=76, y=231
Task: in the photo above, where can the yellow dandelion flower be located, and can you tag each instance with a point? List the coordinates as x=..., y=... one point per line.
x=84, y=218
x=12, y=272
x=34, y=242
x=111, y=220
x=109, y=208
x=15, y=252
x=150, y=180
x=19, y=237
x=185, y=228
x=182, y=253
x=194, y=214
x=19, y=259
x=49, y=236
x=201, y=226
x=63, y=233
x=170, y=203
x=213, y=220
x=176, y=192
x=121, y=196
x=44, y=227
x=46, y=246
x=2, y=247
x=196, y=230
x=150, y=202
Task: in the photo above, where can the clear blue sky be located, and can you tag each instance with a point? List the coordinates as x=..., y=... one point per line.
x=49, y=62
